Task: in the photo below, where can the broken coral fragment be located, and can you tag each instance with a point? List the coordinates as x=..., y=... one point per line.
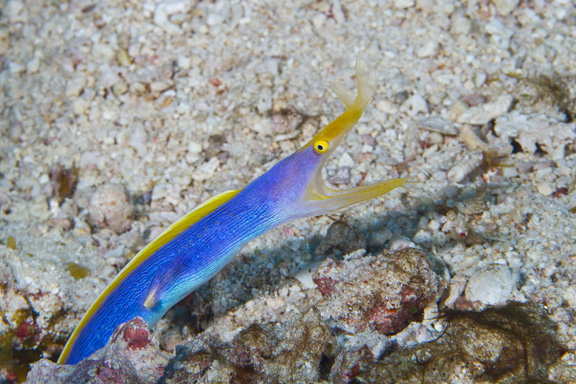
x=383, y=293
x=130, y=356
x=286, y=352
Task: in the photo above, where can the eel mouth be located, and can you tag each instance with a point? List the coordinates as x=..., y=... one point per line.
x=329, y=199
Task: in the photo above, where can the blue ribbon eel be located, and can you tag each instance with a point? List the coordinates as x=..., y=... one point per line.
x=193, y=249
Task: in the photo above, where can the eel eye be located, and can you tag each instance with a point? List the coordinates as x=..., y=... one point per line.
x=321, y=146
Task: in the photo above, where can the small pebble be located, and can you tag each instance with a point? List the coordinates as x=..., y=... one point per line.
x=482, y=114
x=75, y=86
x=469, y=163
x=414, y=105
x=340, y=239
x=438, y=124
x=480, y=79
x=545, y=189
x=493, y=286
x=346, y=160
x=435, y=138
x=400, y=4
x=264, y=101
x=110, y=208
x=12, y=10
x=286, y=120
x=167, y=8
x=429, y=48
x=509, y=172
x=460, y=25
x=504, y=7
x=475, y=99
x=123, y=57
x=342, y=176
x=33, y=66
x=387, y=106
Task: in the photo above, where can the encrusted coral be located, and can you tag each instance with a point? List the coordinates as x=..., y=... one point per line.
x=272, y=352
x=382, y=293
x=131, y=356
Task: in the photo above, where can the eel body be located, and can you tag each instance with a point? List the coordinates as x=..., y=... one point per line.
x=192, y=250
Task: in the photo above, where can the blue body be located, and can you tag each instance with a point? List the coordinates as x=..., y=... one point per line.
x=197, y=254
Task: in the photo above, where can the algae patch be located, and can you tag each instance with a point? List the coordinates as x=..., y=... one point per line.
x=77, y=271
x=512, y=344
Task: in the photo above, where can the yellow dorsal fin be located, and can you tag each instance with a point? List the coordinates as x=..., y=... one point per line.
x=184, y=222
x=169, y=233
x=165, y=237
x=365, y=88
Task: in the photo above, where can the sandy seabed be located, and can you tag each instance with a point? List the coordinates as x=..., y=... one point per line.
x=154, y=107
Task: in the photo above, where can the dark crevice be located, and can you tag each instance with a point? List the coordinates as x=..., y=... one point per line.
x=539, y=151
x=325, y=367
x=516, y=147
